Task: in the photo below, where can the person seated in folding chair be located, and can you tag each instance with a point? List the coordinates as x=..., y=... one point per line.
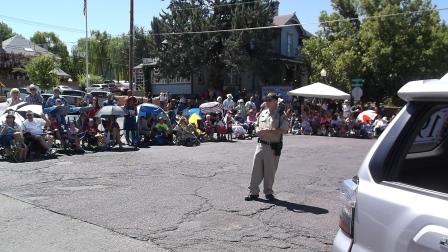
x=161, y=131
x=35, y=137
x=20, y=147
x=7, y=130
x=145, y=126
x=92, y=137
x=112, y=131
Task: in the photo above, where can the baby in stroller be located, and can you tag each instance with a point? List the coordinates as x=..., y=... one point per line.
x=92, y=138
x=295, y=125
x=307, y=129
x=185, y=134
x=161, y=132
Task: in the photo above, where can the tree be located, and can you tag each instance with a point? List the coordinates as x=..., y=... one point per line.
x=52, y=43
x=117, y=52
x=394, y=42
x=93, y=79
x=219, y=52
x=98, y=49
x=5, y=32
x=40, y=70
x=405, y=48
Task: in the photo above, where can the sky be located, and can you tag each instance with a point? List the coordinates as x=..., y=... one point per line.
x=66, y=19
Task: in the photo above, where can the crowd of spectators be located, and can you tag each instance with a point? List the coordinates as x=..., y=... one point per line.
x=235, y=118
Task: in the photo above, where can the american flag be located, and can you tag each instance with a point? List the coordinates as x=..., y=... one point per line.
x=85, y=7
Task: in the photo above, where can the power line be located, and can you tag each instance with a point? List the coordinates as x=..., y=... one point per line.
x=225, y=30
x=29, y=22
x=292, y=25
x=214, y=6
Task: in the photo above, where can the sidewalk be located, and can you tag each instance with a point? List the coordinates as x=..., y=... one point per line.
x=29, y=228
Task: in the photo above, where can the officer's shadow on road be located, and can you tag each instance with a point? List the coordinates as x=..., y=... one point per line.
x=294, y=207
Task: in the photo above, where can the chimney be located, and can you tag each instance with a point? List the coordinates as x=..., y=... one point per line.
x=275, y=6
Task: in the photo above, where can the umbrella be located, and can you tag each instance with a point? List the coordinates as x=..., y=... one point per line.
x=36, y=109
x=319, y=90
x=368, y=115
x=146, y=109
x=18, y=118
x=110, y=111
x=211, y=107
x=194, y=119
x=16, y=107
x=193, y=111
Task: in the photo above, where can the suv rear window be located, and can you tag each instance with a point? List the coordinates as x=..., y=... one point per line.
x=99, y=94
x=73, y=93
x=423, y=161
x=432, y=133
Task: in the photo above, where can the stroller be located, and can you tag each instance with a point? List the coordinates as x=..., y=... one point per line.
x=184, y=135
x=296, y=127
x=238, y=131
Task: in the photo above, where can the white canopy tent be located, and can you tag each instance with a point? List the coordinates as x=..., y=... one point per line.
x=319, y=90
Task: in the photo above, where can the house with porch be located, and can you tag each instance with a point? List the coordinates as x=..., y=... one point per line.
x=286, y=46
x=15, y=53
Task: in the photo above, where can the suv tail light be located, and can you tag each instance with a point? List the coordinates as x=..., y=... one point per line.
x=347, y=217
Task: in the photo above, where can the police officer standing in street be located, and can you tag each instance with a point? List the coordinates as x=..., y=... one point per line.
x=270, y=127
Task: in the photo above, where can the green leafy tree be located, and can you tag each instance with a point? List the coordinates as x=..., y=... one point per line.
x=117, y=52
x=52, y=43
x=219, y=52
x=40, y=70
x=5, y=32
x=93, y=79
x=393, y=42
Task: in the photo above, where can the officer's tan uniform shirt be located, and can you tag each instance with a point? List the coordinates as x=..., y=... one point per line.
x=266, y=120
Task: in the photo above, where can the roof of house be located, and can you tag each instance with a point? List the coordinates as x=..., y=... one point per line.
x=290, y=19
x=20, y=45
x=283, y=20
x=59, y=72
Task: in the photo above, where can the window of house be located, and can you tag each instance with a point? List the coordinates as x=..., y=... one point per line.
x=290, y=45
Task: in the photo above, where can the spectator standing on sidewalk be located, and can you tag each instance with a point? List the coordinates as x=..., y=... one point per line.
x=228, y=104
x=130, y=122
x=270, y=127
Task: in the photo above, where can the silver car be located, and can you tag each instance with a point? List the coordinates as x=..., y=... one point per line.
x=399, y=199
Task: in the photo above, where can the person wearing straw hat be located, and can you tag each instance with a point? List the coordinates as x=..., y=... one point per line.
x=270, y=127
x=228, y=104
x=34, y=97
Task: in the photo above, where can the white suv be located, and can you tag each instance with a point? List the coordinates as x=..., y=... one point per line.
x=92, y=87
x=399, y=199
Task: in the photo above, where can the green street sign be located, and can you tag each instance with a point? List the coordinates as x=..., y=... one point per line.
x=357, y=82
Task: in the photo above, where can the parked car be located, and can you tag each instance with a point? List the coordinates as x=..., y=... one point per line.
x=73, y=97
x=398, y=201
x=77, y=93
x=64, y=87
x=97, y=87
x=23, y=93
x=113, y=88
x=46, y=96
x=122, y=87
x=101, y=95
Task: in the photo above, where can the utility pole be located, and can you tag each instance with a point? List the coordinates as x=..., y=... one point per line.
x=131, y=45
x=87, y=45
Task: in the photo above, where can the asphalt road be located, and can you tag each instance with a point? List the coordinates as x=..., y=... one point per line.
x=177, y=199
